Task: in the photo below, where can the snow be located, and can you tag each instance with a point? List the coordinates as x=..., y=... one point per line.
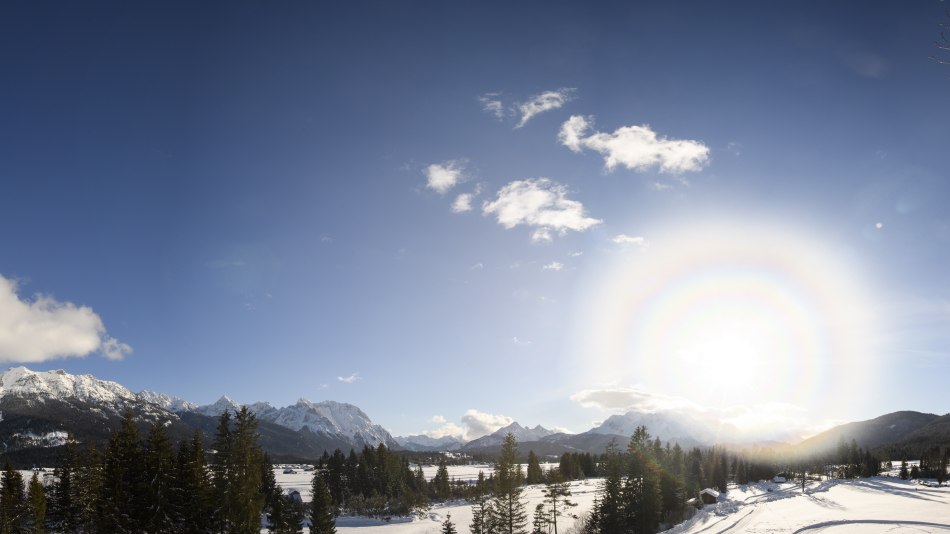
x=20, y=381
x=873, y=505
x=431, y=520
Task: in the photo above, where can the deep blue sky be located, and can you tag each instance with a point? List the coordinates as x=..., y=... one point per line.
x=239, y=193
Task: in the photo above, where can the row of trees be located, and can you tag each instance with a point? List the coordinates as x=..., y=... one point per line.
x=145, y=485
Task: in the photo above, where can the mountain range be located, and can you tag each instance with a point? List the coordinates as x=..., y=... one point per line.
x=38, y=410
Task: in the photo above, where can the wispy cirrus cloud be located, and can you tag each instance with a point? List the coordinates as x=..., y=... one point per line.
x=43, y=328
x=539, y=203
x=542, y=102
x=638, y=148
x=491, y=103
x=442, y=177
x=553, y=266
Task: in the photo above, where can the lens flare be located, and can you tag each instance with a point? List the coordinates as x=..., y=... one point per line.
x=727, y=314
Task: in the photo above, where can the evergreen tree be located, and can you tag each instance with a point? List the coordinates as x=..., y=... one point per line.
x=284, y=516
x=540, y=520
x=440, y=482
x=481, y=508
x=121, y=500
x=160, y=481
x=448, y=527
x=557, y=498
x=63, y=510
x=221, y=473
x=610, y=511
x=88, y=487
x=508, y=509
x=321, y=507
x=36, y=502
x=903, y=471
x=641, y=491
x=12, y=505
x=535, y=475
x=192, y=496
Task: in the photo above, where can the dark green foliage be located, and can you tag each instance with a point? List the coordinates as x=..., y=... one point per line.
x=557, y=499
x=448, y=527
x=903, y=472
x=159, y=482
x=481, y=507
x=539, y=521
x=321, y=507
x=535, y=475
x=36, y=506
x=508, y=509
x=285, y=515
x=13, y=511
x=440, y=483
x=121, y=499
x=193, y=493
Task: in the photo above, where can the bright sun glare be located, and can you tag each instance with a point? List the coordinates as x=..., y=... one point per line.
x=730, y=315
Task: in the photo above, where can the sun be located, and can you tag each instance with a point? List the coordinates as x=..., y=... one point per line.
x=727, y=314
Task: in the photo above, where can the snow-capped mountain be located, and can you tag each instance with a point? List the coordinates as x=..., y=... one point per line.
x=172, y=404
x=522, y=434
x=219, y=406
x=330, y=418
x=682, y=427
x=22, y=382
x=423, y=443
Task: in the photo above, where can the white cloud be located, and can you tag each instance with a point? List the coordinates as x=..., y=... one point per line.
x=657, y=186
x=553, y=266
x=542, y=102
x=492, y=104
x=349, y=379
x=442, y=177
x=624, y=399
x=576, y=254
x=43, y=328
x=635, y=147
x=629, y=241
x=478, y=424
x=520, y=342
x=477, y=267
x=462, y=203
x=541, y=203
x=438, y=419
x=447, y=429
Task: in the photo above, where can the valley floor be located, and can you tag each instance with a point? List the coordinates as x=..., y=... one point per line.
x=874, y=505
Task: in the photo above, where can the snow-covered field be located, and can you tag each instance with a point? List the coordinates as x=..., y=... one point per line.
x=875, y=505
x=431, y=522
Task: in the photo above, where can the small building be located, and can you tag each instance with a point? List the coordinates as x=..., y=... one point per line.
x=294, y=496
x=709, y=496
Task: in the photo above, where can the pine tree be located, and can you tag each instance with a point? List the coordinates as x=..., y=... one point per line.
x=641, y=491
x=610, y=512
x=284, y=515
x=448, y=527
x=540, y=520
x=440, y=482
x=321, y=507
x=63, y=511
x=12, y=504
x=508, y=510
x=557, y=497
x=192, y=496
x=221, y=473
x=160, y=481
x=121, y=501
x=36, y=503
x=903, y=471
x=481, y=507
x=535, y=475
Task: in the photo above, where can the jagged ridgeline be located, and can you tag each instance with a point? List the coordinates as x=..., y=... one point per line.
x=38, y=410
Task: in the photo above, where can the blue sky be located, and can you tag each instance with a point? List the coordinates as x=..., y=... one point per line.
x=454, y=215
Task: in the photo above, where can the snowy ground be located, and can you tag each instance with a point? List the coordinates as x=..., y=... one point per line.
x=431, y=521
x=874, y=505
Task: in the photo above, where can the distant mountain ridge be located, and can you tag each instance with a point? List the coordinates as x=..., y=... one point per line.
x=40, y=408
